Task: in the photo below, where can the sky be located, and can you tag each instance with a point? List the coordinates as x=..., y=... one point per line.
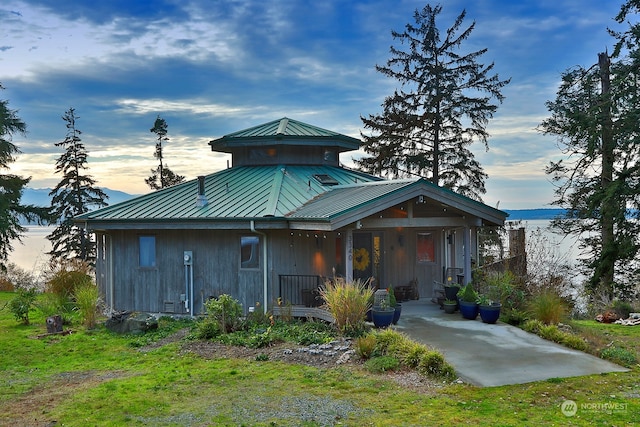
x=210, y=68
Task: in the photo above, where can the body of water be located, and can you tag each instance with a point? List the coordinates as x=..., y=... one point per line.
x=31, y=254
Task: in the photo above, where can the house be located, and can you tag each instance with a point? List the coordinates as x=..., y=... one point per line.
x=284, y=217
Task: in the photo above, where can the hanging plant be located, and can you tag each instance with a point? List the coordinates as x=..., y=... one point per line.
x=361, y=259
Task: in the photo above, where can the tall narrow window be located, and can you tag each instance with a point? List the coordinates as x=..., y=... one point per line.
x=249, y=252
x=147, y=251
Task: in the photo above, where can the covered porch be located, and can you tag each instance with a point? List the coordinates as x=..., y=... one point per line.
x=406, y=234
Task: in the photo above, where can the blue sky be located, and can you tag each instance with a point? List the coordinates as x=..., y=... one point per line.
x=214, y=67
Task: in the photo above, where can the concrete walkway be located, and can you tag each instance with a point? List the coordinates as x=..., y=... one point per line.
x=493, y=355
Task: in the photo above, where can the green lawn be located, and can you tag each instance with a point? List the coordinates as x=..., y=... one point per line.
x=97, y=378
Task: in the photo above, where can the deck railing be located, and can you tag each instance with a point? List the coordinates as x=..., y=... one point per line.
x=300, y=289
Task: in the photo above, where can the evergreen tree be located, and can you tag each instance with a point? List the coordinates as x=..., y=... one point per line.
x=12, y=186
x=161, y=176
x=595, y=116
x=443, y=106
x=74, y=195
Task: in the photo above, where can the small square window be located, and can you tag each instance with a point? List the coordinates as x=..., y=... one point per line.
x=249, y=252
x=147, y=251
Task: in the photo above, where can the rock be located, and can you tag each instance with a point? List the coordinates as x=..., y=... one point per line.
x=607, y=317
x=565, y=328
x=131, y=323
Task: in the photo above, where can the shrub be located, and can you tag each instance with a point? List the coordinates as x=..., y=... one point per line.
x=411, y=354
x=87, y=299
x=257, y=317
x=414, y=355
x=5, y=284
x=22, y=304
x=348, y=302
x=619, y=355
x=382, y=364
x=548, y=307
x=552, y=333
x=365, y=346
x=64, y=277
x=311, y=332
x=533, y=326
x=433, y=364
x=50, y=305
x=622, y=308
x=505, y=288
x=574, y=341
x=225, y=312
x=467, y=293
x=261, y=340
x=14, y=277
x=513, y=316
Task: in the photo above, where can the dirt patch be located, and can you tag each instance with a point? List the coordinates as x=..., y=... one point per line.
x=286, y=352
x=32, y=409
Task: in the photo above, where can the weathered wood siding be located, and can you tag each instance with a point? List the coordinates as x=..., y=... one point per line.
x=216, y=266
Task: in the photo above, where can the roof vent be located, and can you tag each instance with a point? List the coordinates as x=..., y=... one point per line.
x=325, y=179
x=201, y=200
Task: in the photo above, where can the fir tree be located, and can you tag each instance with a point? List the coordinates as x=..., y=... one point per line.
x=12, y=186
x=443, y=106
x=74, y=195
x=595, y=118
x=161, y=176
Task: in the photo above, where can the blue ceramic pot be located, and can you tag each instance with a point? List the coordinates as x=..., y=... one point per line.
x=469, y=310
x=490, y=313
x=382, y=318
x=396, y=314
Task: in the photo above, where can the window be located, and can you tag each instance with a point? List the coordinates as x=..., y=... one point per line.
x=147, y=251
x=249, y=252
x=425, y=248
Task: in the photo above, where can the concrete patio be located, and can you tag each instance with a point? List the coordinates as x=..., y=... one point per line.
x=493, y=355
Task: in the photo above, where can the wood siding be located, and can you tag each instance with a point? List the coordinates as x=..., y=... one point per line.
x=216, y=265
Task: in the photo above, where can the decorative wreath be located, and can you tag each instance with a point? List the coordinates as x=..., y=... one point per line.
x=361, y=259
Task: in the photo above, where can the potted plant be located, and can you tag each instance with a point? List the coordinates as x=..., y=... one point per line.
x=489, y=310
x=451, y=291
x=468, y=302
x=393, y=302
x=382, y=312
x=450, y=306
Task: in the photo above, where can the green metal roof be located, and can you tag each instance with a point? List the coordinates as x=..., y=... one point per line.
x=377, y=195
x=296, y=195
x=235, y=193
x=284, y=131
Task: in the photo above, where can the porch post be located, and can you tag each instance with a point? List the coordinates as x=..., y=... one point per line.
x=348, y=268
x=466, y=239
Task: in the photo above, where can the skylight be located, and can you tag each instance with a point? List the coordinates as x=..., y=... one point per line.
x=325, y=179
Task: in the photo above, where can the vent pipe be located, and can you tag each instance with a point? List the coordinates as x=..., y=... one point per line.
x=201, y=200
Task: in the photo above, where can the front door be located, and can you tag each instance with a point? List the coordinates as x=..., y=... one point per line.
x=427, y=261
x=367, y=257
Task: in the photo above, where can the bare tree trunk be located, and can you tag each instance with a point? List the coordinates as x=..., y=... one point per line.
x=609, y=204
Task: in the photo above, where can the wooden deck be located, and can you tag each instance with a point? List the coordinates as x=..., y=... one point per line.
x=306, y=312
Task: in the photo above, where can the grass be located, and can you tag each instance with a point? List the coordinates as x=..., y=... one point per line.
x=98, y=378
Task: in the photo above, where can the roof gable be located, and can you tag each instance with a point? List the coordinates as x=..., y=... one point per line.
x=341, y=204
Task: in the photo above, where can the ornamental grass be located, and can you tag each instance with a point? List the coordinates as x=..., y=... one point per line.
x=348, y=302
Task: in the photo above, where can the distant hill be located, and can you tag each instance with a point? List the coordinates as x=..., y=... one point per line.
x=532, y=214
x=40, y=196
